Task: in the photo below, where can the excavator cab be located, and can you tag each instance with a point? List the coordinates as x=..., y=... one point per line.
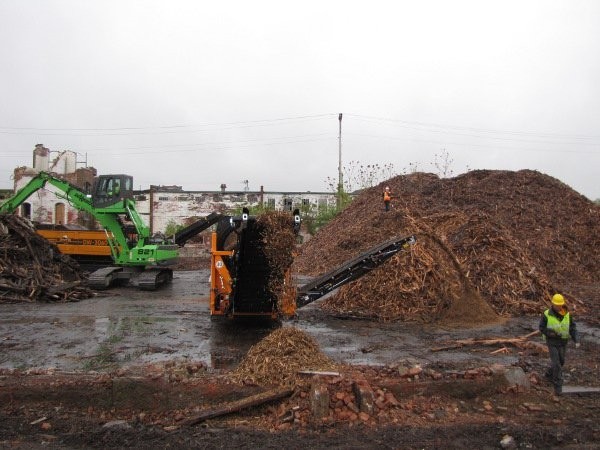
x=112, y=189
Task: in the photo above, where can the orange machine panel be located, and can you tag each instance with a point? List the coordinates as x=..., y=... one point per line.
x=78, y=242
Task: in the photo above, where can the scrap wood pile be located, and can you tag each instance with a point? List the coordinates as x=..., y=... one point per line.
x=279, y=244
x=277, y=359
x=520, y=342
x=556, y=224
x=509, y=238
x=31, y=268
x=497, y=265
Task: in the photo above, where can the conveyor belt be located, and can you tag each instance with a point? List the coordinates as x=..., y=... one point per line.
x=351, y=270
x=182, y=236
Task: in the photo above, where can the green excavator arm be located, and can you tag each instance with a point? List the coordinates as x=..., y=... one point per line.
x=111, y=203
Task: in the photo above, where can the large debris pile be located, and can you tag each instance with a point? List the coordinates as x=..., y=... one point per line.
x=510, y=238
x=277, y=358
x=31, y=268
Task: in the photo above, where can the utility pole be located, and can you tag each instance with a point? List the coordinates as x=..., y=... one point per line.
x=340, y=189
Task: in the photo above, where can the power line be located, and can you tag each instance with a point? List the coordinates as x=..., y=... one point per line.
x=217, y=147
x=196, y=144
x=411, y=124
x=165, y=148
x=463, y=144
x=173, y=128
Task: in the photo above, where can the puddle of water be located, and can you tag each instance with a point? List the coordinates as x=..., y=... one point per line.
x=130, y=327
x=101, y=328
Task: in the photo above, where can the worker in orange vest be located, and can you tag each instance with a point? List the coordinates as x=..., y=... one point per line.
x=387, y=198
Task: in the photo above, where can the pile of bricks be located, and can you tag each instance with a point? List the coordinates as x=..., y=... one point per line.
x=371, y=396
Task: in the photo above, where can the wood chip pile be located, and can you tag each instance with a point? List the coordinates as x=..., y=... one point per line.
x=277, y=358
x=512, y=238
x=279, y=245
x=32, y=269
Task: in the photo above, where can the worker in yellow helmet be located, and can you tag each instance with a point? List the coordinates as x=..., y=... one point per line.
x=556, y=326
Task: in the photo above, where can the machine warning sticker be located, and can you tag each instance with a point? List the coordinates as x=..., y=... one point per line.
x=219, y=264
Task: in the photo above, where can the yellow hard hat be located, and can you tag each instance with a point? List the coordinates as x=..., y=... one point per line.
x=558, y=300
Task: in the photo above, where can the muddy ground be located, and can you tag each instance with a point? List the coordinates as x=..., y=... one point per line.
x=128, y=369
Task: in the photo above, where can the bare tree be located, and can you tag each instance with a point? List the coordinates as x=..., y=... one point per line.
x=362, y=176
x=413, y=167
x=442, y=162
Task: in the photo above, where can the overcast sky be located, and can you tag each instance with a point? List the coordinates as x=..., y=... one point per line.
x=202, y=93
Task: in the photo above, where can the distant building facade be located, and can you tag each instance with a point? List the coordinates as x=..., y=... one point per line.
x=159, y=205
x=163, y=205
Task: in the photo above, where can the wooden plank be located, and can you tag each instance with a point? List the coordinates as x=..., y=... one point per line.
x=248, y=402
x=321, y=373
